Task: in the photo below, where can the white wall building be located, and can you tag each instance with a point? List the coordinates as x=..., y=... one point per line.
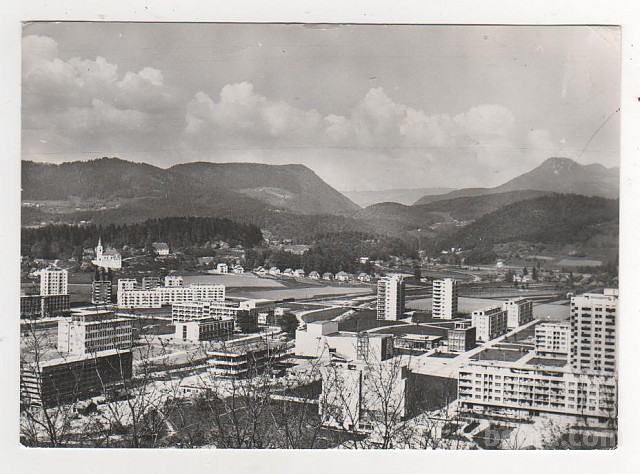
x=161, y=296
x=173, y=281
x=553, y=339
x=222, y=268
x=54, y=281
x=489, y=322
x=109, y=258
x=390, y=297
x=522, y=390
x=445, y=298
x=94, y=331
x=593, y=332
x=519, y=312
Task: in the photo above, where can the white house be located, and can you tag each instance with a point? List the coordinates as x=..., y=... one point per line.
x=160, y=248
x=238, y=269
x=260, y=271
x=364, y=277
x=327, y=276
x=222, y=268
x=288, y=272
x=314, y=275
x=343, y=276
x=274, y=271
x=299, y=273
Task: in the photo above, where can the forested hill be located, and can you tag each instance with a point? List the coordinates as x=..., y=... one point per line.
x=558, y=218
x=54, y=241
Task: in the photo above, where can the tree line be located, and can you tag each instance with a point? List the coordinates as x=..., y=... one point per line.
x=64, y=241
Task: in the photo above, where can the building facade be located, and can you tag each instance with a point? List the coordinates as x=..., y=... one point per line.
x=72, y=378
x=445, y=298
x=204, y=329
x=489, y=323
x=462, y=337
x=161, y=296
x=390, y=297
x=593, y=332
x=173, y=281
x=519, y=312
x=94, y=331
x=521, y=390
x=36, y=306
x=54, y=281
x=553, y=339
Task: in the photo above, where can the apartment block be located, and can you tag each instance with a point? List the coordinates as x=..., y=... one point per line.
x=150, y=283
x=445, y=298
x=67, y=379
x=36, y=306
x=462, y=337
x=390, y=297
x=245, y=360
x=101, y=292
x=173, y=281
x=54, y=281
x=195, y=310
x=130, y=296
x=519, y=312
x=521, y=390
x=88, y=332
x=204, y=329
x=489, y=323
x=553, y=339
x=593, y=332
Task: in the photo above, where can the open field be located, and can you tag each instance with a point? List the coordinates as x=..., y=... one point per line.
x=363, y=320
x=301, y=293
x=230, y=280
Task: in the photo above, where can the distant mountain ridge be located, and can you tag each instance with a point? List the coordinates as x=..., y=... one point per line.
x=213, y=188
x=556, y=175
x=401, y=196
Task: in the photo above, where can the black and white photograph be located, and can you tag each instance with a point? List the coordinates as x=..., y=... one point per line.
x=319, y=236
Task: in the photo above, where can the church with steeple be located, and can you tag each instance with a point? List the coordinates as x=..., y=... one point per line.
x=108, y=258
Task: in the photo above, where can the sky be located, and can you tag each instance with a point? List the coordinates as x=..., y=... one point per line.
x=367, y=107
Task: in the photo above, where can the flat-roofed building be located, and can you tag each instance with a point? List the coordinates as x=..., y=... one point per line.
x=161, y=296
x=462, y=337
x=74, y=377
x=553, y=339
x=357, y=396
x=519, y=312
x=194, y=310
x=390, y=297
x=445, y=298
x=321, y=339
x=94, y=331
x=208, y=329
x=54, y=281
x=523, y=390
x=489, y=322
x=593, y=332
x=173, y=281
x=245, y=359
x=150, y=282
x=37, y=306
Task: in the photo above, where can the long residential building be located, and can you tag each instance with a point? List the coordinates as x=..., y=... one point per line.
x=245, y=360
x=37, y=306
x=75, y=377
x=129, y=296
x=445, y=298
x=593, y=332
x=200, y=330
x=206, y=309
x=522, y=390
x=519, y=312
x=489, y=322
x=390, y=297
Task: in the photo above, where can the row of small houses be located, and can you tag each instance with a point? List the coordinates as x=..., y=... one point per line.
x=313, y=275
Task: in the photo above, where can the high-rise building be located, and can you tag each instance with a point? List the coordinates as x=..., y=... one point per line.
x=54, y=281
x=593, y=332
x=173, y=281
x=519, y=312
x=101, y=287
x=390, y=304
x=445, y=298
x=151, y=282
x=489, y=322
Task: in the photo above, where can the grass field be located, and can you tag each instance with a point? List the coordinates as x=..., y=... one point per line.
x=363, y=320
